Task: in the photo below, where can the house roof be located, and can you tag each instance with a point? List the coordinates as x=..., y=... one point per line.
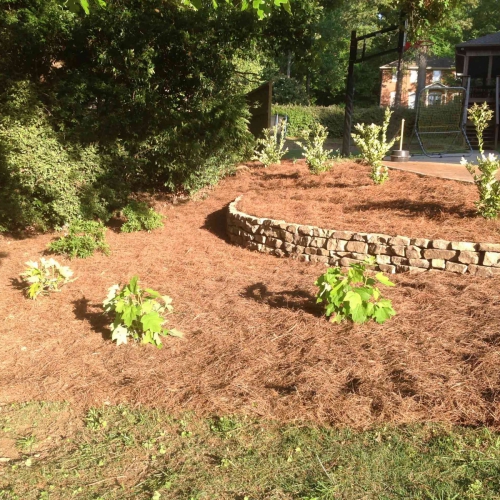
x=432, y=63
x=483, y=41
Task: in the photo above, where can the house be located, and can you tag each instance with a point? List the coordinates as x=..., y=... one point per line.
x=439, y=70
x=478, y=65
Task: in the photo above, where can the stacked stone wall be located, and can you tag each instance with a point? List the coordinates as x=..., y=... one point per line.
x=393, y=254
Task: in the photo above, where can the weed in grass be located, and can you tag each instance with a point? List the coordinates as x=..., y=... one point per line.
x=26, y=443
x=140, y=217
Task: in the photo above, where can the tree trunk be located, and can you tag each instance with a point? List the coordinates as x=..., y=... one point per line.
x=422, y=72
x=289, y=64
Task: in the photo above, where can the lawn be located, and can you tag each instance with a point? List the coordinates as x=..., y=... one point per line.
x=375, y=405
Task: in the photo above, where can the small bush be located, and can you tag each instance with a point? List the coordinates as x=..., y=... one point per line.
x=289, y=91
x=299, y=118
x=353, y=295
x=486, y=182
x=317, y=158
x=372, y=141
x=83, y=239
x=138, y=314
x=140, y=217
x=45, y=276
x=271, y=146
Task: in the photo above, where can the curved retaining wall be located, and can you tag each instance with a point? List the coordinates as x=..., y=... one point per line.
x=340, y=248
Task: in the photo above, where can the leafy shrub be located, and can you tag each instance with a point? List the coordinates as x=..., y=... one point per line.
x=45, y=276
x=486, y=182
x=140, y=217
x=44, y=182
x=83, y=239
x=317, y=158
x=289, y=91
x=332, y=117
x=271, y=146
x=138, y=314
x=353, y=295
x=372, y=141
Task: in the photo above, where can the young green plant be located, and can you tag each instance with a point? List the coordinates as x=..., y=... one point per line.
x=372, y=142
x=486, y=181
x=140, y=217
x=317, y=158
x=44, y=277
x=138, y=314
x=83, y=239
x=271, y=147
x=353, y=295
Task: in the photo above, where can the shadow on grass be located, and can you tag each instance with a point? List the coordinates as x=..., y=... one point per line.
x=286, y=299
x=216, y=223
x=417, y=209
x=92, y=313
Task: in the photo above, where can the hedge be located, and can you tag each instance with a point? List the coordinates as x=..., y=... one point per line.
x=332, y=117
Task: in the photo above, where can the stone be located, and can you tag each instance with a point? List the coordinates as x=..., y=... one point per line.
x=441, y=244
x=357, y=246
x=383, y=259
x=466, y=257
x=288, y=247
x=464, y=246
x=413, y=252
x=420, y=263
x=377, y=249
x=438, y=263
x=491, y=259
x=420, y=242
x=260, y=239
x=346, y=261
x=288, y=237
x=247, y=236
x=403, y=269
x=456, y=268
x=271, y=233
x=397, y=250
x=279, y=253
x=333, y=261
x=399, y=241
x=439, y=254
x=334, y=244
x=303, y=258
x=358, y=256
x=310, y=251
x=321, y=258
x=483, y=272
x=387, y=268
x=343, y=235
x=292, y=228
x=318, y=242
x=377, y=238
x=305, y=230
x=359, y=237
x=303, y=241
x=323, y=251
x=399, y=261
x=489, y=247
x=298, y=249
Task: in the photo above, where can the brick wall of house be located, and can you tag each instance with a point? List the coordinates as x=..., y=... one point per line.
x=388, y=85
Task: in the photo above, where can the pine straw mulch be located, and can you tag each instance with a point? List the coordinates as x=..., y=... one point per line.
x=255, y=341
x=347, y=199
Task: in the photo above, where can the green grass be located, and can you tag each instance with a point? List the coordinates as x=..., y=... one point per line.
x=117, y=452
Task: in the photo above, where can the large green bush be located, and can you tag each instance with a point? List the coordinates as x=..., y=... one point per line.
x=143, y=92
x=332, y=117
x=44, y=182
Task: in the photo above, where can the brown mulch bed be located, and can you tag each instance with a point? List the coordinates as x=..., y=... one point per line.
x=255, y=341
x=346, y=199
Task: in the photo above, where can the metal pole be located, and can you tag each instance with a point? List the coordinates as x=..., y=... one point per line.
x=349, y=97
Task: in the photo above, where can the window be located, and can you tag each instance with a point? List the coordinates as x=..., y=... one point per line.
x=411, y=100
x=393, y=99
x=434, y=98
x=436, y=75
x=413, y=76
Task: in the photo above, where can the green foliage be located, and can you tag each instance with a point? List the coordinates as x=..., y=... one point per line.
x=44, y=277
x=299, y=118
x=139, y=314
x=372, y=141
x=289, y=91
x=317, y=158
x=272, y=145
x=353, y=295
x=44, y=181
x=140, y=217
x=83, y=239
x=486, y=181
